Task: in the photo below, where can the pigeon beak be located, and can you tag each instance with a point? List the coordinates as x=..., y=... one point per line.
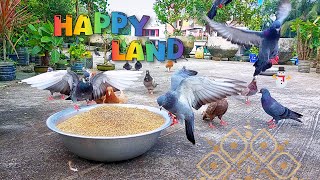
x=278, y=29
x=109, y=92
x=160, y=108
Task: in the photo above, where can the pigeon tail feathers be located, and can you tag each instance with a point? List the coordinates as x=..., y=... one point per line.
x=189, y=131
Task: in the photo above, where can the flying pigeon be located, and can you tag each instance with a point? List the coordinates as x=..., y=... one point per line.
x=138, y=65
x=218, y=108
x=266, y=40
x=276, y=110
x=127, y=66
x=193, y=92
x=87, y=88
x=149, y=82
x=217, y=4
x=250, y=90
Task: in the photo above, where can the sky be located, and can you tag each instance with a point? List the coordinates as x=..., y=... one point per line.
x=134, y=7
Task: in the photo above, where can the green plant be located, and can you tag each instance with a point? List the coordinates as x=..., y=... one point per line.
x=172, y=11
x=76, y=50
x=308, y=37
x=12, y=15
x=43, y=41
x=254, y=50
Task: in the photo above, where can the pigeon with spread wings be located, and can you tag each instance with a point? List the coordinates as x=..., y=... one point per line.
x=88, y=88
x=194, y=92
x=266, y=40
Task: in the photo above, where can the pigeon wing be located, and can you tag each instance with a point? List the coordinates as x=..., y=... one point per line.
x=119, y=80
x=198, y=91
x=235, y=35
x=61, y=81
x=283, y=10
x=276, y=109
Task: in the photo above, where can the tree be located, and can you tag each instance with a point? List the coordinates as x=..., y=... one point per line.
x=302, y=9
x=172, y=11
x=46, y=9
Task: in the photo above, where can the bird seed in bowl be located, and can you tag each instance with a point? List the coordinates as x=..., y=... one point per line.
x=112, y=121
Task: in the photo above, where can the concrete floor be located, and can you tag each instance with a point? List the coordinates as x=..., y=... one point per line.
x=29, y=150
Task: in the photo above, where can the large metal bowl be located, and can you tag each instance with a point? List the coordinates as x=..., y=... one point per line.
x=107, y=149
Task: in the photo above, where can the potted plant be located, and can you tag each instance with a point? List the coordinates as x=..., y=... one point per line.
x=107, y=38
x=12, y=15
x=254, y=51
x=45, y=44
x=77, y=55
x=308, y=35
x=63, y=63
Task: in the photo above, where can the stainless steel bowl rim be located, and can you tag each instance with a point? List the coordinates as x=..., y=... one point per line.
x=53, y=127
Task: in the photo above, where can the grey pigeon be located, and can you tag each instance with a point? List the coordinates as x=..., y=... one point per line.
x=138, y=65
x=266, y=40
x=127, y=66
x=276, y=110
x=193, y=92
x=149, y=82
x=96, y=52
x=180, y=75
x=217, y=4
x=218, y=108
x=88, y=88
x=250, y=90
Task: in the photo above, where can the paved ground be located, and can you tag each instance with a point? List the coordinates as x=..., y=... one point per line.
x=29, y=150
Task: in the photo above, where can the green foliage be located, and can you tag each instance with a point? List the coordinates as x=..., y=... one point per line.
x=308, y=36
x=305, y=10
x=95, y=5
x=247, y=13
x=254, y=50
x=172, y=11
x=77, y=51
x=41, y=40
x=46, y=9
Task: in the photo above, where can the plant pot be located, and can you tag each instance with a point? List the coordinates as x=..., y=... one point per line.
x=304, y=66
x=222, y=53
x=23, y=59
x=7, y=71
x=105, y=67
x=77, y=67
x=40, y=69
x=89, y=63
x=13, y=57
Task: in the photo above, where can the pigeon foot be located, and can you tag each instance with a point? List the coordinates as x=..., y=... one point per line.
x=248, y=102
x=76, y=107
x=211, y=125
x=50, y=98
x=62, y=97
x=173, y=118
x=270, y=122
x=223, y=123
x=272, y=126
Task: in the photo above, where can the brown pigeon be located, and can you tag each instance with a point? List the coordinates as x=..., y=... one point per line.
x=218, y=108
x=251, y=89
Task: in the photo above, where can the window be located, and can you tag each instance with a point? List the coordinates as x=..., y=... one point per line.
x=153, y=33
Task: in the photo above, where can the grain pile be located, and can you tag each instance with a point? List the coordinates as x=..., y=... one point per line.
x=112, y=121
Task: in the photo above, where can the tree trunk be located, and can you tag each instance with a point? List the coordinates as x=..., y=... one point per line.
x=45, y=59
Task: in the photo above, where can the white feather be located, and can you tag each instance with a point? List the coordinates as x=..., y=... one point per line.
x=45, y=80
x=122, y=79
